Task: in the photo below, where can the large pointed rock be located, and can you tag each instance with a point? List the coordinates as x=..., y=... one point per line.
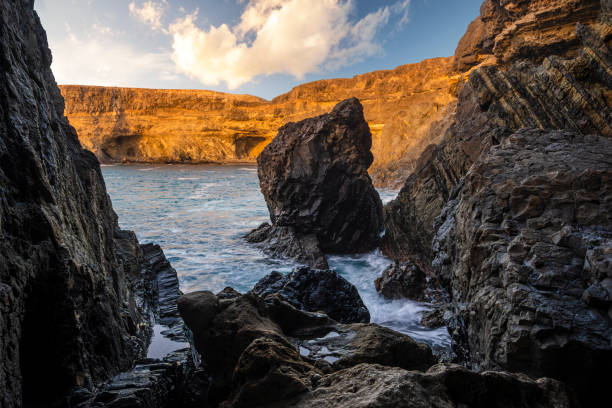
x=314, y=177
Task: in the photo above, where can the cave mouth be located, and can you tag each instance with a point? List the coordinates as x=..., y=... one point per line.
x=244, y=145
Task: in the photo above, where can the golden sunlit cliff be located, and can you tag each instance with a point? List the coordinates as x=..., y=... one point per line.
x=195, y=126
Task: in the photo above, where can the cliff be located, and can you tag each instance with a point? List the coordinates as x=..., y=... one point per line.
x=191, y=126
x=510, y=210
x=72, y=307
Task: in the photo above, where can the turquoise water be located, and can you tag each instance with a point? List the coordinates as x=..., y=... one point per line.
x=200, y=214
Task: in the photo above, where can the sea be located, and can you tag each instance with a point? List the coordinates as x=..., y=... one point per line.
x=199, y=214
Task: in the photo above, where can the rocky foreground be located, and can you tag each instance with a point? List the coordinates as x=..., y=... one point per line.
x=505, y=226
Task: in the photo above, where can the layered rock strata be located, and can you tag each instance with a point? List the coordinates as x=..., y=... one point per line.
x=557, y=94
x=510, y=30
x=522, y=305
x=314, y=178
x=525, y=250
x=192, y=126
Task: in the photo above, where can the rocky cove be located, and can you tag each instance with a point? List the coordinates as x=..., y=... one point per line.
x=503, y=226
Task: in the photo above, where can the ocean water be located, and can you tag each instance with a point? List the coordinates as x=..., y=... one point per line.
x=200, y=214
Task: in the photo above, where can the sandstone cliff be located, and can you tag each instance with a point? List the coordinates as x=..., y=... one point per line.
x=191, y=126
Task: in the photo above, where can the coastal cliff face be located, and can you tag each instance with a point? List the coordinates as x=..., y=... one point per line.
x=509, y=211
x=70, y=313
x=191, y=126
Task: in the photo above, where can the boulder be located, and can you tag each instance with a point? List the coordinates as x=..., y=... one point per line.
x=442, y=386
x=314, y=178
x=264, y=351
x=317, y=290
x=348, y=345
x=406, y=280
x=524, y=248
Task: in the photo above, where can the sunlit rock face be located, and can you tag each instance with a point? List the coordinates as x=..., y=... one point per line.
x=509, y=30
x=193, y=126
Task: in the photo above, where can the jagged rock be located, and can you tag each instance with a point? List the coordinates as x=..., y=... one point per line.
x=557, y=94
x=443, y=385
x=408, y=280
x=511, y=30
x=70, y=314
x=314, y=179
x=270, y=370
x=523, y=245
x=317, y=290
x=250, y=346
x=284, y=242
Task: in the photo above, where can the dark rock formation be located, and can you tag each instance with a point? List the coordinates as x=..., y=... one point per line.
x=558, y=94
x=316, y=290
x=285, y=242
x=512, y=30
x=348, y=345
x=314, y=178
x=76, y=292
x=408, y=280
x=525, y=250
x=68, y=315
x=443, y=385
x=250, y=346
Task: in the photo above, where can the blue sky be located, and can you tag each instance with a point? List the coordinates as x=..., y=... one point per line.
x=259, y=47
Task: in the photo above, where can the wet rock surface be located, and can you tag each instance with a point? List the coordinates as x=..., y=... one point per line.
x=170, y=374
x=525, y=250
x=314, y=179
x=261, y=351
x=284, y=242
x=406, y=280
x=316, y=290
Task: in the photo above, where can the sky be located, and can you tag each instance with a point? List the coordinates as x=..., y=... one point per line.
x=257, y=47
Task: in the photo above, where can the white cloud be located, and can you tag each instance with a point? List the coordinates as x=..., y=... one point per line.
x=98, y=59
x=279, y=36
x=149, y=13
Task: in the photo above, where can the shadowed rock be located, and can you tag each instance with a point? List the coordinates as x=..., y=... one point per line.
x=314, y=179
x=259, y=352
x=442, y=386
x=316, y=290
x=524, y=248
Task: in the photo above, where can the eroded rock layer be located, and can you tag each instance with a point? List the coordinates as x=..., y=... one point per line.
x=525, y=250
x=192, y=126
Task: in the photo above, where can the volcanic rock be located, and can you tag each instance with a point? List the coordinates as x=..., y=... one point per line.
x=316, y=290
x=285, y=242
x=524, y=249
x=250, y=346
x=557, y=94
x=68, y=313
x=314, y=179
x=443, y=385
x=407, y=280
